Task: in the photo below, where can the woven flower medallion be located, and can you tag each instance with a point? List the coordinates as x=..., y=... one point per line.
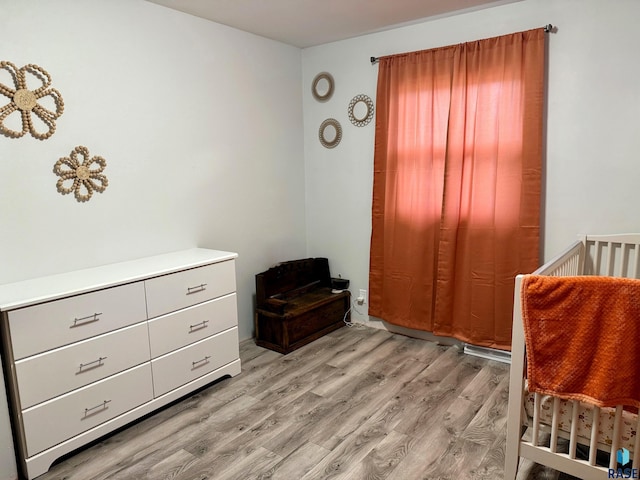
x=81, y=174
x=24, y=103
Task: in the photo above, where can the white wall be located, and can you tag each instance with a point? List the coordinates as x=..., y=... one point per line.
x=592, y=122
x=201, y=127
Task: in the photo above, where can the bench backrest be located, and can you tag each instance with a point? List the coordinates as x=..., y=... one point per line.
x=286, y=278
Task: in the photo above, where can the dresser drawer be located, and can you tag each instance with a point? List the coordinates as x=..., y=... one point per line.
x=53, y=373
x=61, y=322
x=189, y=363
x=181, y=328
x=182, y=289
x=54, y=421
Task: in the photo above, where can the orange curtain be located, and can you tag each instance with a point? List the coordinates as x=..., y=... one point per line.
x=456, y=191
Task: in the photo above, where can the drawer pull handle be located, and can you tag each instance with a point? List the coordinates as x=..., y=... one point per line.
x=198, y=288
x=200, y=363
x=78, y=322
x=198, y=326
x=91, y=365
x=93, y=410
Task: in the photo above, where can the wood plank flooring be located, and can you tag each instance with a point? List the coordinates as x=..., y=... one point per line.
x=359, y=403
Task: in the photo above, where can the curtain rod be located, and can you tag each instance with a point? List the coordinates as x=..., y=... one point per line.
x=547, y=28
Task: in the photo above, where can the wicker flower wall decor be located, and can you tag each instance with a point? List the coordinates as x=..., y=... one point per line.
x=78, y=175
x=25, y=101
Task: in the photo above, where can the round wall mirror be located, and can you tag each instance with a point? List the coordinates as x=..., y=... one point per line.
x=330, y=133
x=322, y=87
x=360, y=110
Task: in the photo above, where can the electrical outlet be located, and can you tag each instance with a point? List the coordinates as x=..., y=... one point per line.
x=362, y=298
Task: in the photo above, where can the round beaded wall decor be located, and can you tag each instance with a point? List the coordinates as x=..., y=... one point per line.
x=360, y=110
x=330, y=133
x=322, y=87
x=79, y=176
x=24, y=102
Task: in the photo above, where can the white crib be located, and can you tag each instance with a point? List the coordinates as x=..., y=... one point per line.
x=609, y=255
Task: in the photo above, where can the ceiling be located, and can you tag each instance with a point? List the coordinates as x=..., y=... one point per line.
x=306, y=23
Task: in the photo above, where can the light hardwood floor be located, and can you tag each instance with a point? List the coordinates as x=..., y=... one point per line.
x=359, y=403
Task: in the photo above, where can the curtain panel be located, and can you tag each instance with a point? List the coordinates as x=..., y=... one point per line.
x=456, y=188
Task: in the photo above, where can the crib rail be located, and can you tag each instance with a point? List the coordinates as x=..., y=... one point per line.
x=569, y=262
x=610, y=255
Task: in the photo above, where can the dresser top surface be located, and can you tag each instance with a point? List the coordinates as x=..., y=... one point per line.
x=52, y=287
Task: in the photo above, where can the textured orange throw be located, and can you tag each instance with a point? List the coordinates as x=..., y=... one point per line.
x=582, y=336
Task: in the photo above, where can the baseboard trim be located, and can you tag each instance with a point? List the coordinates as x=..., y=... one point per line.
x=488, y=353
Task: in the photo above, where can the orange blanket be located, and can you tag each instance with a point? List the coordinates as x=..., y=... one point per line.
x=582, y=336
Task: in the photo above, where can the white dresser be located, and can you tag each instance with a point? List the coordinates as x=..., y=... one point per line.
x=89, y=351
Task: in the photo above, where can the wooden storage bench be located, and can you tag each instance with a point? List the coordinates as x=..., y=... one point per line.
x=295, y=304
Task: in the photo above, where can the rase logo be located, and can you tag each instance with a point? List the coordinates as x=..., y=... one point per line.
x=624, y=469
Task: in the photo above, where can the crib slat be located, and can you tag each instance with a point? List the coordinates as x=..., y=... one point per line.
x=554, y=425
x=636, y=445
x=616, y=436
x=536, y=419
x=636, y=249
x=610, y=259
x=593, y=446
x=624, y=262
x=573, y=435
x=597, y=258
x=589, y=258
